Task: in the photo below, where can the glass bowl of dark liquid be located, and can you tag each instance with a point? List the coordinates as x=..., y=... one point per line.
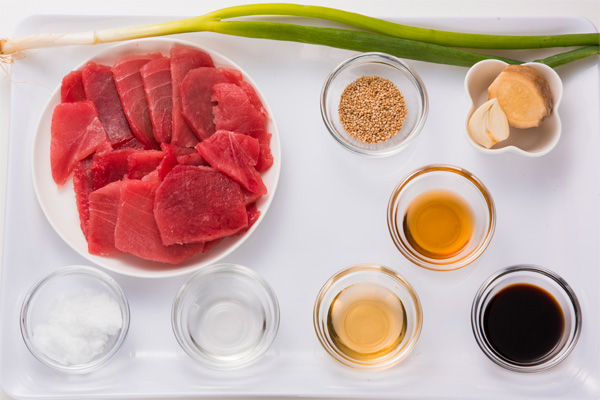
x=526, y=318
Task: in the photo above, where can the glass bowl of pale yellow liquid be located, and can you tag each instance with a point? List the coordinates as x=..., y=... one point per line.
x=441, y=217
x=368, y=317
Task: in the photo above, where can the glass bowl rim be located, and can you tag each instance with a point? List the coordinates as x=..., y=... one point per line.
x=396, y=63
x=88, y=271
x=414, y=257
x=235, y=269
x=477, y=313
x=389, y=273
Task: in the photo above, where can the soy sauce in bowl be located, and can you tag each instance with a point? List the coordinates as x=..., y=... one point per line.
x=523, y=323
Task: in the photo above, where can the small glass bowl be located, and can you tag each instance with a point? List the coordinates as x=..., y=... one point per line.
x=551, y=283
x=42, y=302
x=225, y=316
x=385, y=66
x=369, y=279
x=458, y=181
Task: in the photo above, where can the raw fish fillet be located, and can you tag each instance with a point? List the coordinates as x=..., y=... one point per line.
x=83, y=185
x=71, y=89
x=104, y=204
x=156, y=76
x=196, y=93
x=235, y=155
x=198, y=204
x=110, y=167
x=126, y=73
x=136, y=231
x=265, y=158
x=182, y=61
x=99, y=85
x=76, y=132
x=234, y=110
x=141, y=163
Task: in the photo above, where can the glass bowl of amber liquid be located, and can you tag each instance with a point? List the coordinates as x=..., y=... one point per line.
x=526, y=318
x=374, y=104
x=441, y=217
x=368, y=317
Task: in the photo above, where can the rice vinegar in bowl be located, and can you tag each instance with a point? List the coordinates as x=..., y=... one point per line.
x=441, y=217
x=368, y=317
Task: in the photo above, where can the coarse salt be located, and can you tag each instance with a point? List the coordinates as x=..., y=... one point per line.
x=78, y=327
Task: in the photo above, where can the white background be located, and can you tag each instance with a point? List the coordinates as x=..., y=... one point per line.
x=12, y=12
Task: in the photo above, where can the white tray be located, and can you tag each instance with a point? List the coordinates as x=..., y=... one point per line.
x=330, y=212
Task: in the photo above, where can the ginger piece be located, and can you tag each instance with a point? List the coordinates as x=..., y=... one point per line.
x=488, y=124
x=523, y=94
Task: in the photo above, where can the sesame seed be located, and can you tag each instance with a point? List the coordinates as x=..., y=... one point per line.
x=372, y=109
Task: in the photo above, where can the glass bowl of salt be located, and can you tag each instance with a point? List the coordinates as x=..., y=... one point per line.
x=75, y=319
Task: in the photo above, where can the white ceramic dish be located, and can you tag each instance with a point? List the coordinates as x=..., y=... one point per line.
x=59, y=204
x=532, y=142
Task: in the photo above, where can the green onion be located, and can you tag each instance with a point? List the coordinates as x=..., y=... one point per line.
x=442, y=38
x=570, y=56
x=373, y=35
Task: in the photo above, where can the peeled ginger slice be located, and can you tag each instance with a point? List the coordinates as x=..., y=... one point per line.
x=523, y=94
x=488, y=125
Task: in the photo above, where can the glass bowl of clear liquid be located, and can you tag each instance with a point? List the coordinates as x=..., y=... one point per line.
x=225, y=316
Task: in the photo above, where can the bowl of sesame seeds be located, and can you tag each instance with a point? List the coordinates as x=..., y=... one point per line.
x=374, y=104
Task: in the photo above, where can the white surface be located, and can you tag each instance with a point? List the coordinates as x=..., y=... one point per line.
x=550, y=183
x=60, y=207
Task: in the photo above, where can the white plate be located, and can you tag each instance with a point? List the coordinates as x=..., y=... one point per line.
x=59, y=204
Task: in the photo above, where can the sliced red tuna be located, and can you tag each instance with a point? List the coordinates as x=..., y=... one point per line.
x=156, y=76
x=75, y=133
x=110, y=167
x=182, y=61
x=188, y=156
x=234, y=111
x=198, y=204
x=71, y=88
x=126, y=73
x=253, y=215
x=99, y=85
x=136, y=231
x=103, y=207
x=253, y=97
x=265, y=158
x=83, y=185
x=250, y=197
x=141, y=163
x=131, y=144
x=196, y=93
x=235, y=155
x=168, y=162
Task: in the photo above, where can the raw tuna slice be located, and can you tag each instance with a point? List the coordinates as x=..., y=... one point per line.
x=229, y=153
x=104, y=204
x=196, y=93
x=100, y=88
x=265, y=158
x=130, y=87
x=253, y=97
x=110, y=167
x=234, y=111
x=136, y=231
x=76, y=132
x=156, y=76
x=168, y=162
x=250, y=197
x=131, y=144
x=188, y=156
x=253, y=215
x=141, y=163
x=182, y=61
x=198, y=204
x=83, y=185
x=71, y=89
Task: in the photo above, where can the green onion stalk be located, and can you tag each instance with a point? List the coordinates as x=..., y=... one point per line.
x=364, y=34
